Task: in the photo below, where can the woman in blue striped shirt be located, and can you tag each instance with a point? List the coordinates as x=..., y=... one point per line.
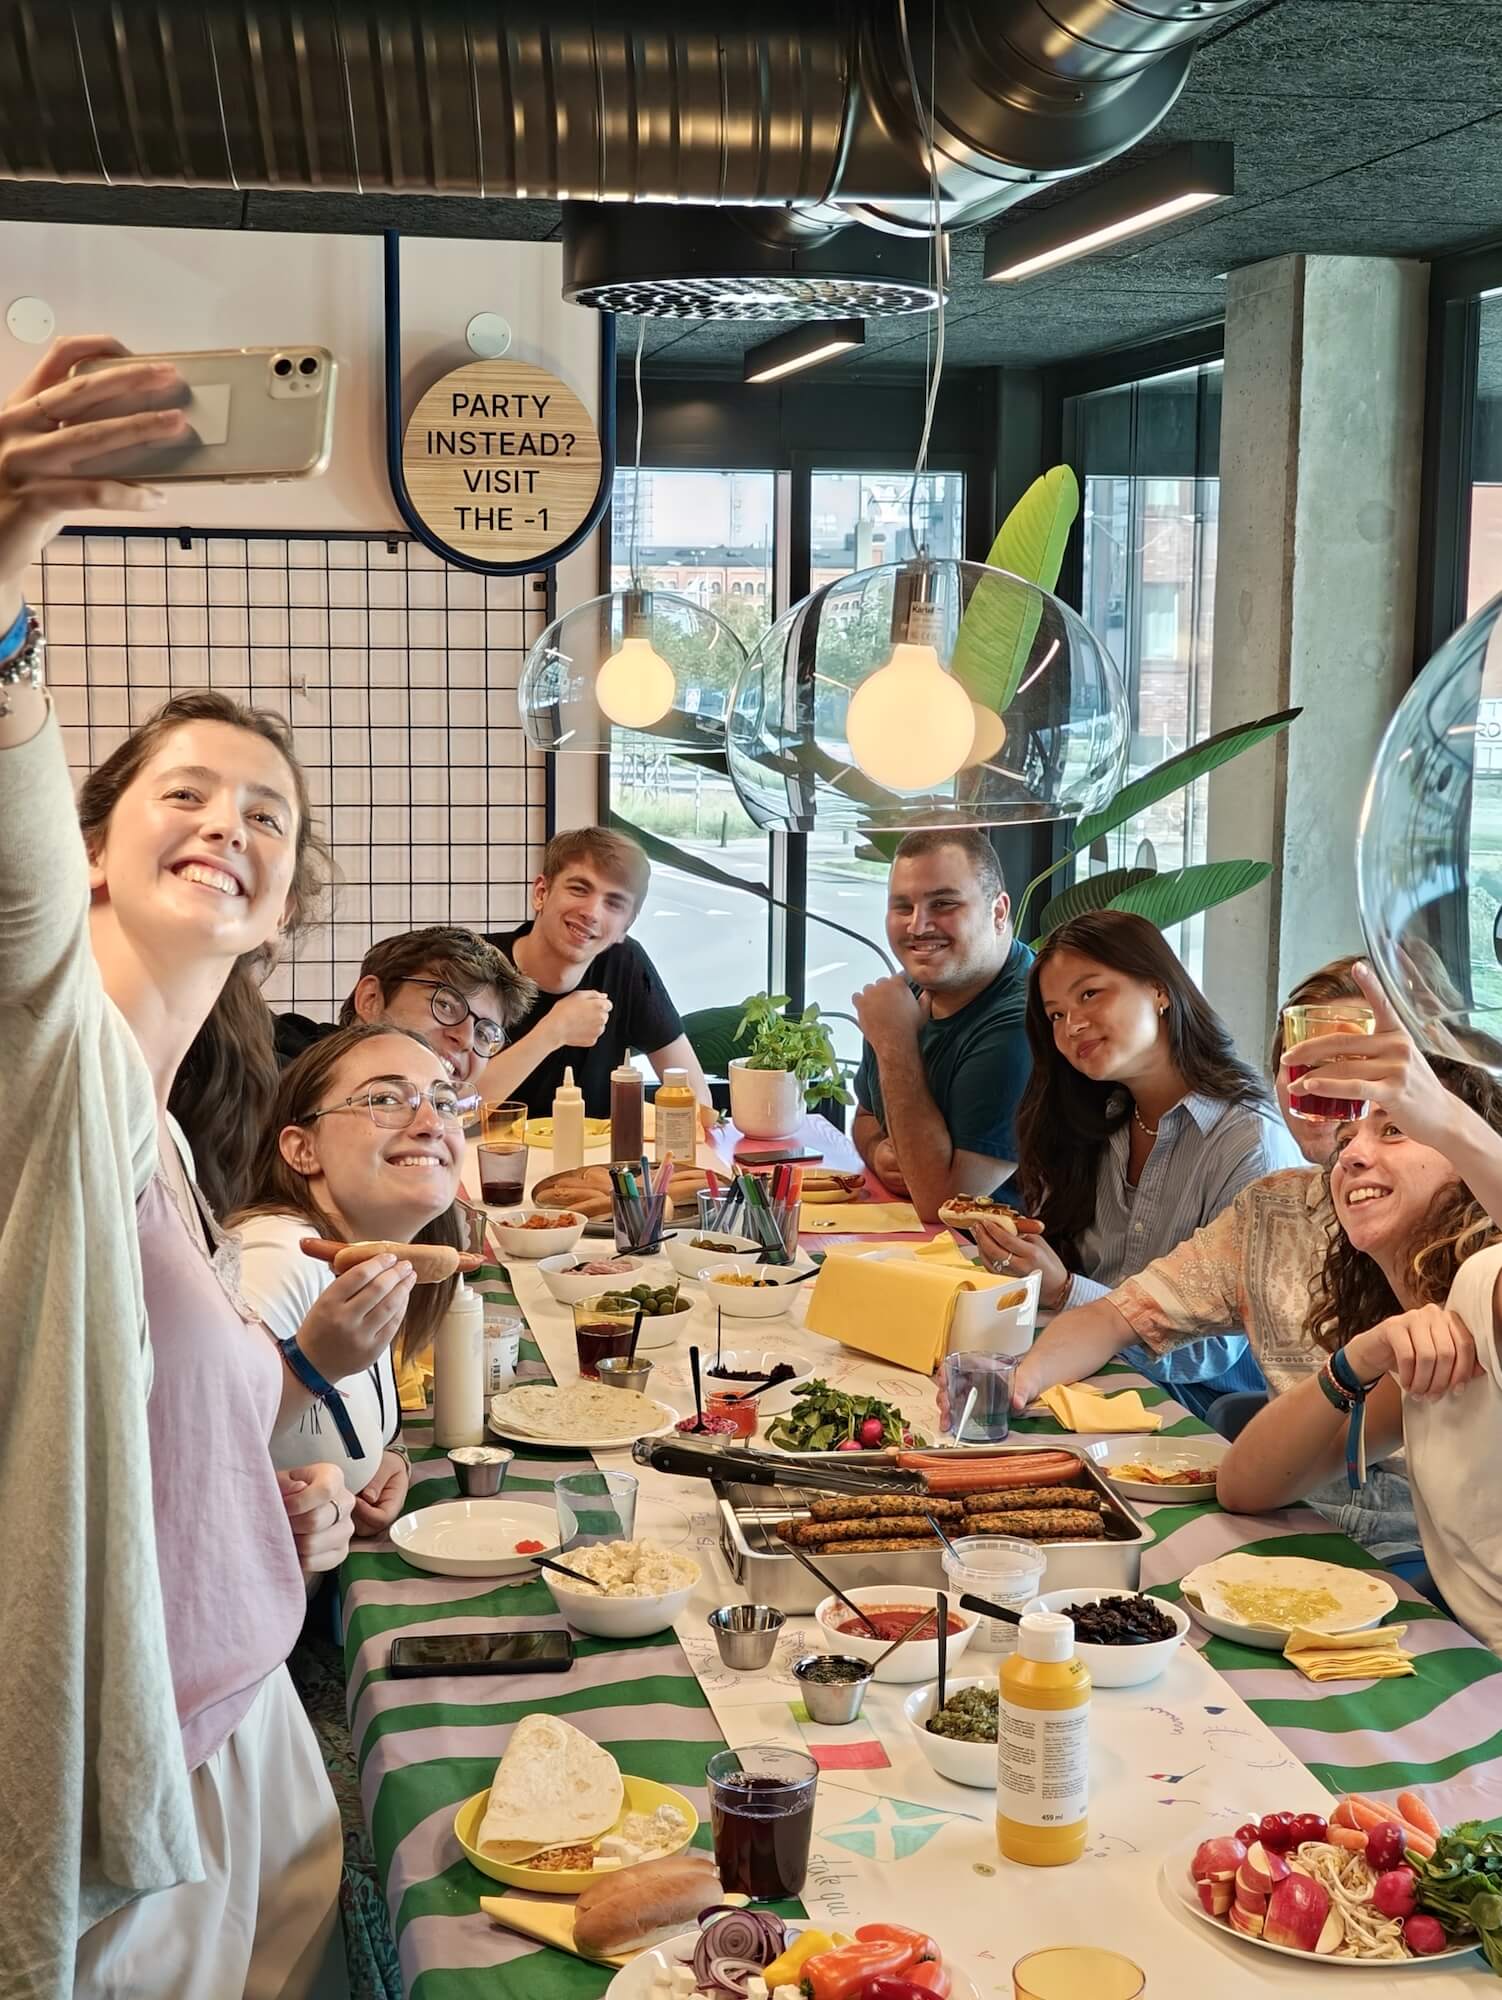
x=1140, y=1123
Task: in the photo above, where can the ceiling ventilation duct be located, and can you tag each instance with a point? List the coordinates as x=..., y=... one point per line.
x=803, y=113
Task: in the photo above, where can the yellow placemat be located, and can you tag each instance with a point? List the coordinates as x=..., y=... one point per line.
x=863, y=1218
x=1350, y=1656
x=1080, y=1409
x=549, y=1919
x=892, y=1307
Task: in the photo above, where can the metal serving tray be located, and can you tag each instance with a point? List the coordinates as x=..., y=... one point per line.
x=761, y=1565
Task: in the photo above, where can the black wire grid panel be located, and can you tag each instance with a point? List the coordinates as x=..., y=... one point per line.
x=397, y=672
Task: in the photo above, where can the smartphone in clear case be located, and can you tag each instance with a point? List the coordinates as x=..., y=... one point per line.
x=257, y=413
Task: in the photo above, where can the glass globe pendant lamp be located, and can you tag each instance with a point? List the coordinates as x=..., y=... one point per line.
x=929, y=693
x=640, y=659
x=1429, y=850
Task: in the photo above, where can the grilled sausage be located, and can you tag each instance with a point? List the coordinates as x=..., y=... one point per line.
x=877, y=1546
x=431, y=1262
x=1040, y=1524
x=882, y=1506
x=826, y=1534
x=1032, y=1496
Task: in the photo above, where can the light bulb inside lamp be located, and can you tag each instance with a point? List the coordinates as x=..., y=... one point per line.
x=990, y=735
x=910, y=725
x=635, y=687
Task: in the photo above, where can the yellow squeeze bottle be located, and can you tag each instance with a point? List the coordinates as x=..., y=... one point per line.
x=676, y=1119
x=1043, y=1745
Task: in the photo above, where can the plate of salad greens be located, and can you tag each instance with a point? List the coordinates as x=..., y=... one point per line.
x=825, y=1419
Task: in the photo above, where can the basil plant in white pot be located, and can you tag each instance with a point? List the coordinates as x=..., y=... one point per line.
x=789, y=1064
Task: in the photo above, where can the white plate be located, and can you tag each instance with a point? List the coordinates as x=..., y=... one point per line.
x=474, y=1537
x=1181, y=1889
x=1208, y=1451
x=619, y=1440
x=634, y=1981
x=1273, y=1638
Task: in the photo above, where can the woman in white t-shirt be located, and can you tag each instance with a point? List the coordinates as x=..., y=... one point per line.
x=1404, y=1307
x=365, y=1141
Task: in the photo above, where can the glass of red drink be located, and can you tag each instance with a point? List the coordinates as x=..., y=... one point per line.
x=761, y=1813
x=503, y=1173
x=1304, y=1024
x=599, y=1332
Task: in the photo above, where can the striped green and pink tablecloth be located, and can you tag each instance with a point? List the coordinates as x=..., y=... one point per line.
x=425, y=1745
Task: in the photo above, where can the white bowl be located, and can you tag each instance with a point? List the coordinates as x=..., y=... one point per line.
x=1110, y=1453
x=752, y=1302
x=1119, y=1666
x=535, y=1244
x=568, y=1285
x=918, y=1660
x=967, y=1763
x=662, y=1329
x=771, y=1402
x=688, y=1262
x=618, y=1617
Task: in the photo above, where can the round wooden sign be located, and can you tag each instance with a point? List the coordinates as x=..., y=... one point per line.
x=502, y=461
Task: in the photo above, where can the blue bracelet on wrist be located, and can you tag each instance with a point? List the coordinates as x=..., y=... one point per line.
x=14, y=639
x=325, y=1392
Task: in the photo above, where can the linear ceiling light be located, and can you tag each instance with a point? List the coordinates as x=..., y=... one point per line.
x=1184, y=178
x=803, y=347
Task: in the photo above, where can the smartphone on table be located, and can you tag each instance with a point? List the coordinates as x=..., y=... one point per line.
x=255, y=413
x=415, y=1654
x=777, y=1156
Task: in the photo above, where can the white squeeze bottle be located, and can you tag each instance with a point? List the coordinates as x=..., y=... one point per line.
x=459, y=1371
x=568, y=1124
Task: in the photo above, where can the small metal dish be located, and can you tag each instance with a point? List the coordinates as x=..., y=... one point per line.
x=746, y=1635
x=480, y=1469
x=832, y=1702
x=616, y=1372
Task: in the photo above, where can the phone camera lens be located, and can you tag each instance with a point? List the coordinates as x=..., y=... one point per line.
x=309, y=364
x=282, y=365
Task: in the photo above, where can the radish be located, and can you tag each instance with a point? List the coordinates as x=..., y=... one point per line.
x=872, y=1431
x=1393, y=1892
x=1384, y=1848
x=1424, y=1935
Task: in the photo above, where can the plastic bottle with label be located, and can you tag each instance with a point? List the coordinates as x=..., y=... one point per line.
x=568, y=1124
x=1043, y=1745
x=675, y=1119
x=625, y=1113
x=459, y=1371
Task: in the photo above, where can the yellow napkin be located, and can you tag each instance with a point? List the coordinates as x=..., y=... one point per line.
x=549, y=1919
x=1350, y=1656
x=1080, y=1409
x=892, y=1307
x=944, y=1252
x=863, y=1218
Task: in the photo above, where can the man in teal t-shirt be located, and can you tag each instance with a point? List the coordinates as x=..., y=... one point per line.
x=945, y=1056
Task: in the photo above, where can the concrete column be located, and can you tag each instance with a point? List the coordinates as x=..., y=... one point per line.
x=1321, y=432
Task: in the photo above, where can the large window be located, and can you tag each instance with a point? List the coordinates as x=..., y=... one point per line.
x=859, y=520
x=1148, y=458
x=1484, y=567
x=708, y=536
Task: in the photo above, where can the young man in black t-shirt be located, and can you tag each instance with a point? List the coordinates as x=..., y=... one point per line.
x=599, y=996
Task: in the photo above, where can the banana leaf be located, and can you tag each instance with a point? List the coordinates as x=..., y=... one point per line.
x=995, y=639
x=1168, y=899
x=1176, y=772
x=1094, y=893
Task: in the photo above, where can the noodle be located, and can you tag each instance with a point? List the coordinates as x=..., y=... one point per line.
x=1350, y=1880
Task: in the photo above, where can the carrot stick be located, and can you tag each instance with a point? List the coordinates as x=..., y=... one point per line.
x=1342, y=1815
x=1347, y=1836
x=1413, y=1809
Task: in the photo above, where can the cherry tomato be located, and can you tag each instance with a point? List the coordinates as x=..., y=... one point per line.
x=1248, y=1833
x=1312, y=1826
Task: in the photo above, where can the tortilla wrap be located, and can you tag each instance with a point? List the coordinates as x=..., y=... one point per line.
x=1280, y=1593
x=553, y=1787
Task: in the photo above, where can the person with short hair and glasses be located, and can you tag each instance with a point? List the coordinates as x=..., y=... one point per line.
x=365, y=1143
x=447, y=984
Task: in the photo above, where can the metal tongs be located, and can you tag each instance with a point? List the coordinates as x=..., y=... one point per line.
x=691, y=1460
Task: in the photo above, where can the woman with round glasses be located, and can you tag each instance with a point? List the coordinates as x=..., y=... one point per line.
x=365, y=1142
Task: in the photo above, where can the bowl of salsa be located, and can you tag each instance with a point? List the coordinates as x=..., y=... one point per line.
x=892, y=1608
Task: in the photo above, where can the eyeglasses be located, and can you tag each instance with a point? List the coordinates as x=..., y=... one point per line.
x=449, y=1008
x=393, y=1106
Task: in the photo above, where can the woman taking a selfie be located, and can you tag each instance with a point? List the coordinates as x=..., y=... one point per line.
x=168, y=1808
x=366, y=1143
x=1139, y=1123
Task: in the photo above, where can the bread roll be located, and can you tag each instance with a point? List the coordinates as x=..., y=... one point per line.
x=637, y=1907
x=431, y=1262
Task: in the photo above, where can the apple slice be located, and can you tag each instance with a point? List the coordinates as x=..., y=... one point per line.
x=1296, y=1913
x=1215, y=1897
x=1248, y=1900
x=1217, y=1860
x=1262, y=1870
x=1332, y=1933
x=1245, y=1921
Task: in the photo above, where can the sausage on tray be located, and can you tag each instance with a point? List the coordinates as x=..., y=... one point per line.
x=1030, y=1496
x=820, y=1534
x=877, y=1546
x=877, y=1506
x=1041, y=1524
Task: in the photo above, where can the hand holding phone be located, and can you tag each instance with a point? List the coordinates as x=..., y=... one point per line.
x=414, y=1655
x=251, y=413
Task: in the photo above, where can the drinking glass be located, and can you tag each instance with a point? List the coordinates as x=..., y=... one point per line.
x=1326, y=1017
x=637, y=1218
x=504, y=1123
x=503, y=1173
x=594, y=1507
x=601, y=1331
x=761, y=1813
x=1077, y=1972
x=990, y=1376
